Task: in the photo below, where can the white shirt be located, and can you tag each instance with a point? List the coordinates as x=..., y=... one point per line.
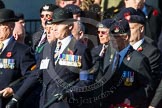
x=5, y=42
x=65, y=42
x=42, y=38
x=138, y=44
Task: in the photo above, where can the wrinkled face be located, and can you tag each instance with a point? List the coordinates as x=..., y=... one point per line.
x=136, y=32
x=76, y=30
x=6, y=30
x=103, y=34
x=19, y=32
x=61, y=30
x=45, y=15
x=50, y=33
x=136, y=4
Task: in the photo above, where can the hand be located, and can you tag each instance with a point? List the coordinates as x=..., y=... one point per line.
x=7, y=92
x=151, y=107
x=12, y=103
x=127, y=101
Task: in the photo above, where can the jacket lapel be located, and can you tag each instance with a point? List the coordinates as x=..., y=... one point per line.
x=9, y=49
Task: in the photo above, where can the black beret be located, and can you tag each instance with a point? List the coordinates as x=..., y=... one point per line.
x=120, y=27
x=137, y=19
x=48, y=7
x=106, y=23
x=73, y=8
x=127, y=12
x=19, y=15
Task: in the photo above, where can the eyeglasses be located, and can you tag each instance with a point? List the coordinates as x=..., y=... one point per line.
x=102, y=32
x=48, y=16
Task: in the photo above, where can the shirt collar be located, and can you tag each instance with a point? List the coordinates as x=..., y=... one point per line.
x=138, y=44
x=144, y=9
x=65, y=42
x=5, y=42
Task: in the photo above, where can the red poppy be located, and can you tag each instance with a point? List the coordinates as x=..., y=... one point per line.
x=70, y=51
x=155, y=12
x=139, y=49
x=127, y=16
x=9, y=54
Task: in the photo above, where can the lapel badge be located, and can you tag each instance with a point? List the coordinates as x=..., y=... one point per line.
x=70, y=51
x=128, y=57
x=139, y=49
x=9, y=54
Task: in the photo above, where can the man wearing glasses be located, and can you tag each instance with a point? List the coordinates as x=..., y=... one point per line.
x=39, y=38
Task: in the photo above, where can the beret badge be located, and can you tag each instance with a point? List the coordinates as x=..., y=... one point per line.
x=116, y=30
x=46, y=7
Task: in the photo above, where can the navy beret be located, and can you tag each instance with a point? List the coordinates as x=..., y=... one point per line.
x=127, y=12
x=73, y=8
x=120, y=27
x=106, y=23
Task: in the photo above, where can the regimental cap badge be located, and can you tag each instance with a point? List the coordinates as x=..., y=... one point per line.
x=45, y=7
x=100, y=25
x=116, y=30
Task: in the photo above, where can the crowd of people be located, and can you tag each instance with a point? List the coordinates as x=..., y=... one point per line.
x=82, y=56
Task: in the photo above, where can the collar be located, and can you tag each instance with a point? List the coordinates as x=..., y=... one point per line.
x=144, y=9
x=65, y=42
x=138, y=44
x=5, y=42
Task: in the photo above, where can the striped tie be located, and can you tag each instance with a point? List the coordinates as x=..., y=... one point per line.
x=1, y=47
x=57, y=51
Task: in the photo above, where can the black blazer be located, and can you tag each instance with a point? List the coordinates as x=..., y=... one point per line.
x=23, y=60
x=154, y=56
x=57, y=76
x=153, y=23
x=117, y=87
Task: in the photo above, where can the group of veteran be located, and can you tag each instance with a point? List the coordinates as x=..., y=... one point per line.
x=126, y=65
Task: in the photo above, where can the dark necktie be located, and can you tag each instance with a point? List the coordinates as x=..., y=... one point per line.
x=116, y=62
x=102, y=52
x=57, y=51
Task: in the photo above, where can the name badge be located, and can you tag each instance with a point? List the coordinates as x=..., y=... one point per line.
x=44, y=63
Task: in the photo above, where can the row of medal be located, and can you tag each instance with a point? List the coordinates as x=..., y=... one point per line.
x=70, y=60
x=7, y=63
x=129, y=78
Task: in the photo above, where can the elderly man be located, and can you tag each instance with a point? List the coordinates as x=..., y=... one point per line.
x=15, y=58
x=64, y=62
x=153, y=18
x=39, y=38
x=100, y=52
x=128, y=77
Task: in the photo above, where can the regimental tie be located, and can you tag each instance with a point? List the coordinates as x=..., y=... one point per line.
x=1, y=47
x=104, y=47
x=57, y=52
x=43, y=39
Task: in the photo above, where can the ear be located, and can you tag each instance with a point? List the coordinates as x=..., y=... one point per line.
x=141, y=29
x=81, y=34
x=70, y=27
